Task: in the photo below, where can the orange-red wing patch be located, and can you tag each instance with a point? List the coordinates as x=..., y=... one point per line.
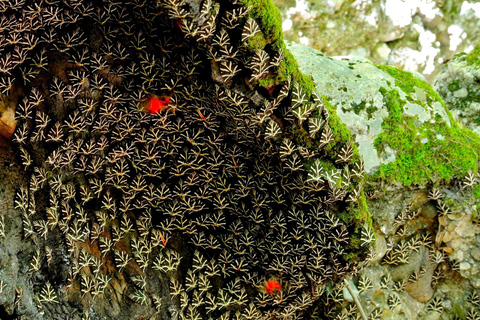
x=163, y=240
x=271, y=286
x=179, y=23
x=156, y=104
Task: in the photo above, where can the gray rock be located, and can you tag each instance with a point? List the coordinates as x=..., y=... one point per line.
x=459, y=85
x=352, y=85
x=475, y=252
x=440, y=243
x=383, y=52
x=15, y=253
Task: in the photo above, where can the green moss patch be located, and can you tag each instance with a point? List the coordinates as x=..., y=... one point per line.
x=473, y=57
x=339, y=129
x=432, y=152
x=408, y=82
x=269, y=19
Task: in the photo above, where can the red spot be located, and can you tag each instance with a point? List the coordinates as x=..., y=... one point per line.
x=156, y=104
x=272, y=286
x=179, y=23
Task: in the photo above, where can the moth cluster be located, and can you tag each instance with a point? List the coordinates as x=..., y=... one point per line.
x=410, y=239
x=192, y=209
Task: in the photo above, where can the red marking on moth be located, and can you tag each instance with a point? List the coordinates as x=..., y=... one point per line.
x=235, y=162
x=163, y=240
x=272, y=286
x=179, y=23
x=201, y=115
x=157, y=104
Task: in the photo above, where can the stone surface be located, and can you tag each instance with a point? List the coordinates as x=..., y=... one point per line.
x=412, y=35
x=352, y=86
x=475, y=252
x=15, y=285
x=459, y=85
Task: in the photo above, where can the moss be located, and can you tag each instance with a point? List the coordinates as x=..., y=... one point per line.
x=257, y=42
x=342, y=134
x=407, y=81
x=473, y=58
x=339, y=129
x=454, y=85
x=476, y=191
x=357, y=107
x=286, y=70
x=300, y=135
x=458, y=309
x=417, y=162
x=362, y=214
x=269, y=19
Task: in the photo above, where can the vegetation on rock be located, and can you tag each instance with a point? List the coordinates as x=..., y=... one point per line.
x=448, y=152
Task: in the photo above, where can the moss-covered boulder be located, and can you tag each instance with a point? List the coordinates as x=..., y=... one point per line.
x=404, y=131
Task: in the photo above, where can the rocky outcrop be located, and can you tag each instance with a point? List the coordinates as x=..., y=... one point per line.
x=170, y=161
x=411, y=35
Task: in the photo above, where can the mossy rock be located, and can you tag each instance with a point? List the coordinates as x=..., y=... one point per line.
x=404, y=130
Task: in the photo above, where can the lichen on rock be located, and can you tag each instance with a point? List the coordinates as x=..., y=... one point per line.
x=457, y=83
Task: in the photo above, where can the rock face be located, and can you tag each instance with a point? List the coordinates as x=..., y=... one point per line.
x=459, y=85
x=171, y=162
x=424, y=266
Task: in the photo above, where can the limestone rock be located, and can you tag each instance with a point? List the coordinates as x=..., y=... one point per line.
x=362, y=94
